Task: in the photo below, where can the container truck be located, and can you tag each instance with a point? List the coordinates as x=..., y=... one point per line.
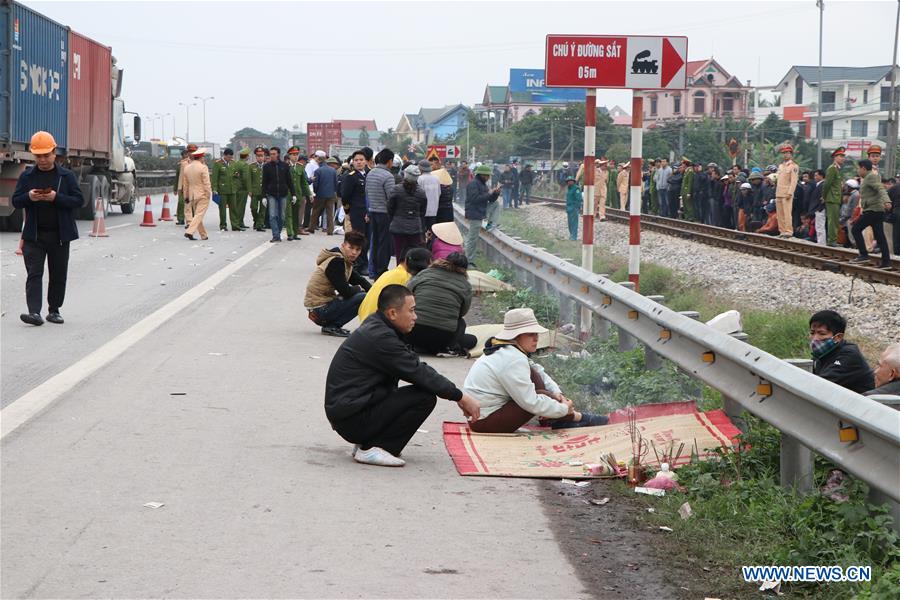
x=54, y=79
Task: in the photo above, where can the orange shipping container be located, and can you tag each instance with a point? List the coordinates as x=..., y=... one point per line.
x=90, y=96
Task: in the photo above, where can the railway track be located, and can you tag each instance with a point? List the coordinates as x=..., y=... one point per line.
x=825, y=258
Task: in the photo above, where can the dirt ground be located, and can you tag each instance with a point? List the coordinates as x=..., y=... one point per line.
x=617, y=548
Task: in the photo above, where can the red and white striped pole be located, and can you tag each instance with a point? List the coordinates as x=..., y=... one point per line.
x=634, y=218
x=587, y=213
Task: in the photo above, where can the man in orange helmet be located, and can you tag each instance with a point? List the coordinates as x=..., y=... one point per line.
x=49, y=194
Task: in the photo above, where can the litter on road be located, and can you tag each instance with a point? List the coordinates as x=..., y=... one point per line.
x=650, y=491
x=599, y=502
x=685, y=511
x=154, y=504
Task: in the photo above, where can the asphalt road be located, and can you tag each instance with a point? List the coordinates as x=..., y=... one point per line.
x=205, y=394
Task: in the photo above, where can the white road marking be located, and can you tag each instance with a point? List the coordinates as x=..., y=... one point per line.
x=30, y=404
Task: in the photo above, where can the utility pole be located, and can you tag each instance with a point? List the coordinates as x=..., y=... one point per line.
x=571, y=143
x=552, y=157
x=893, y=111
x=821, y=5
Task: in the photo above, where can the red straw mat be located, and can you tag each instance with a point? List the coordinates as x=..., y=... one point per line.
x=550, y=454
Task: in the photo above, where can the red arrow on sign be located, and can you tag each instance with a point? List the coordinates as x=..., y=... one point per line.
x=671, y=62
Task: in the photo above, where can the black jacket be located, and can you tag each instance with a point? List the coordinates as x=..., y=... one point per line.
x=353, y=191
x=68, y=199
x=477, y=197
x=277, y=180
x=406, y=210
x=369, y=365
x=846, y=367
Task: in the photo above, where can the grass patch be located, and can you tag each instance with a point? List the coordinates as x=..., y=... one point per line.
x=742, y=516
x=782, y=333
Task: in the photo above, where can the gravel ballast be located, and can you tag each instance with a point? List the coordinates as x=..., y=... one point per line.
x=873, y=312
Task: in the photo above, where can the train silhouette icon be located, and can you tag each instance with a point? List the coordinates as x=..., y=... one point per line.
x=642, y=66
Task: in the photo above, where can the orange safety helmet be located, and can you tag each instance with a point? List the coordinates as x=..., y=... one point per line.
x=42, y=143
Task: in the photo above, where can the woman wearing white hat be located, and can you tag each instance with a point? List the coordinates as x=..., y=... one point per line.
x=513, y=390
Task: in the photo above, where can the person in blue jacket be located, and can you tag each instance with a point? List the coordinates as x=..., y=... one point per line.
x=49, y=194
x=574, y=205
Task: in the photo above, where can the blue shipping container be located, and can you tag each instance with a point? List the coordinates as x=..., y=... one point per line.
x=37, y=73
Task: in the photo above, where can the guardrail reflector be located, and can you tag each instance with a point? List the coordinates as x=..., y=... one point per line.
x=848, y=433
x=633, y=315
x=607, y=300
x=709, y=357
x=764, y=389
x=665, y=334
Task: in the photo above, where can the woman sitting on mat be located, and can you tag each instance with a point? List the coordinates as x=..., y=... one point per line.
x=512, y=390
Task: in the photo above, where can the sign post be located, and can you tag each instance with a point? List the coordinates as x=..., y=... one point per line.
x=637, y=62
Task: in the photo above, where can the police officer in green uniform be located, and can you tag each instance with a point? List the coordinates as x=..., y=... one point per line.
x=225, y=176
x=243, y=186
x=293, y=214
x=257, y=208
x=687, y=184
x=831, y=195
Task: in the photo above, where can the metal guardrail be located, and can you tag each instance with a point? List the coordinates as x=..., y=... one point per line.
x=154, y=182
x=805, y=407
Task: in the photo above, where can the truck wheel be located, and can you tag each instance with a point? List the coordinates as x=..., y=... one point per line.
x=14, y=221
x=92, y=190
x=127, y=209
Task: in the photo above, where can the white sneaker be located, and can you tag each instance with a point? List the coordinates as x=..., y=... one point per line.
x=378, y=457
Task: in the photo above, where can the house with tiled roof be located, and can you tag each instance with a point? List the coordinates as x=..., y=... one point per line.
x=431, y=124
x=855, y=102
x=711, y=92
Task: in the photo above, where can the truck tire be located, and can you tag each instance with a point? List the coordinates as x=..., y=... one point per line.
x=91, y=190
x=13, y=222
x=127, y=209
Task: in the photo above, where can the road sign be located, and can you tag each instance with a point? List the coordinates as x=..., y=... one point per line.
x=856, y=147
x=443, y=152
x=640, y=62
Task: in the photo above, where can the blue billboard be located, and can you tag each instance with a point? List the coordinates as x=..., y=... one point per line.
x=531, y=81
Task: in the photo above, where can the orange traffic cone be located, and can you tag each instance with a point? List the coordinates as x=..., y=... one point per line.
x=166, y=212
x=148, y=214
x=99, y=227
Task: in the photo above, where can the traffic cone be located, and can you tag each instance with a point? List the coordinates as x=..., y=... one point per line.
x=166, y=212
x=98, y=229
x=148, y=214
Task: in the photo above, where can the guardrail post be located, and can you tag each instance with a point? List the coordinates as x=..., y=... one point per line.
x=878, y=497
x=796, y=459
x=696, y=391
x=652, y=360
x=601, y=325
x=732, y=407
x=626, y=340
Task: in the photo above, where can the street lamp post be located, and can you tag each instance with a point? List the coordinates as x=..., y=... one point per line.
x=164, y=126
x=203, y=100
x=187, y=112
x=153, y=125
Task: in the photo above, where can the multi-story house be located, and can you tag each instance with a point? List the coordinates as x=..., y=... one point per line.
x=711, y=92
x=855, y=103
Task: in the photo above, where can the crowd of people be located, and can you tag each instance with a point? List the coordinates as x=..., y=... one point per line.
x=821, y=206
x=418, y=307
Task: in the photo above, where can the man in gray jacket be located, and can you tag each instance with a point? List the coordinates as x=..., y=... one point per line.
x=379, y=183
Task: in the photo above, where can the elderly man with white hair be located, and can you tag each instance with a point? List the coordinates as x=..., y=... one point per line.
x=887, y=372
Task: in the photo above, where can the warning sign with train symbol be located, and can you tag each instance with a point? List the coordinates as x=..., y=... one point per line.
x=643, y=64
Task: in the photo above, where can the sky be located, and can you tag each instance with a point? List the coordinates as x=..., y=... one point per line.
x=271, y=64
